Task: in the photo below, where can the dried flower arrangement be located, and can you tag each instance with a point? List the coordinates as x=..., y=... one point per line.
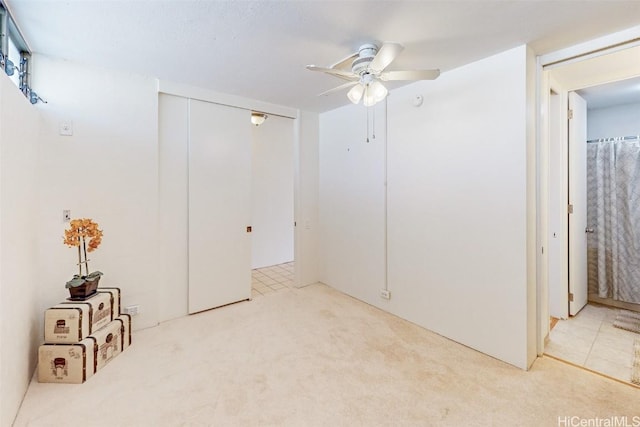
x=85, y=235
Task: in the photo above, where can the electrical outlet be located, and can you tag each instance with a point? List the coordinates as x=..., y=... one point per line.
x=66, y=215
x=132, y=310
x=65, y=128
x=385, y=293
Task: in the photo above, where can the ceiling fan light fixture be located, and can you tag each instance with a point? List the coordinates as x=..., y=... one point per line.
x=355, y=94
x=378, y=90
x=258, y=118
x=368, y=99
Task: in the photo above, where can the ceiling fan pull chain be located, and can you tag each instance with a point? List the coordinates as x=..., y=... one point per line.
x=373, y=130
x=368, y=125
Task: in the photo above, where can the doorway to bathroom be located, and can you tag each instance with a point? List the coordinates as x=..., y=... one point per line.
x=595, y=317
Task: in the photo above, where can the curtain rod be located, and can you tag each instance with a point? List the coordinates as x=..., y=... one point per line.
x=615, y=139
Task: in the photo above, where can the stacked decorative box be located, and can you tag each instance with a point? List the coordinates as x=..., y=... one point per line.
x=81, y=337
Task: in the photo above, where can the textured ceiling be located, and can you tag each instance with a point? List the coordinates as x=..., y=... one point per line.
x=259, y=49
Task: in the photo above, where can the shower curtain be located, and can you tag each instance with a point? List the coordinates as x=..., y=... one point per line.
x=613, y=212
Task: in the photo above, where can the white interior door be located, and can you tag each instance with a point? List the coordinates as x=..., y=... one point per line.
x=219, y=205
x=558, y=227
x=578, y=292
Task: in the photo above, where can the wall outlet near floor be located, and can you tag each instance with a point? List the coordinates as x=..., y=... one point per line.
x=131, y=310
x=385, y=293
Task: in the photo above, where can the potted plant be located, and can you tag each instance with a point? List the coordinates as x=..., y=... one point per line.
x=85, y=235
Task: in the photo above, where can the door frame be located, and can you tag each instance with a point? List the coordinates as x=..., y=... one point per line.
x=179, y=287
x=608, y=45
x=557, y=200
x=552, y=280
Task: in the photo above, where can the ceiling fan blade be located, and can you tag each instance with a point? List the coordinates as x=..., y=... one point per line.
x=348, y=75
x=385, y=56
x=345, y=63
x=410, y=75
x=336, y=89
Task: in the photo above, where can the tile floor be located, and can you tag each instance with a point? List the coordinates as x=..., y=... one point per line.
x=590, y=340
x=271, y=279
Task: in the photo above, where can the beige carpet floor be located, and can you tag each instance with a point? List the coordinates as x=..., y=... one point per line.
x=315, y=357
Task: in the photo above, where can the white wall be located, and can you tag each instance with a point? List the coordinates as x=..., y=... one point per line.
x=306, y=151
x=108, y=171
x=272, y=189
x=460, y=179
x=20, y=283
x=533, y=325
x=619, y=120
x=173, y=214
x=352, y=202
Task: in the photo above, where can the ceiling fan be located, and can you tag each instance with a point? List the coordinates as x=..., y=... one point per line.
x=368, y=72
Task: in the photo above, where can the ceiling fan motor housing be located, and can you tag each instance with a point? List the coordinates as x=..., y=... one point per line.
x=366, y=53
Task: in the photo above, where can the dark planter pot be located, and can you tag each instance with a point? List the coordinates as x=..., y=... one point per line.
x=84, y=291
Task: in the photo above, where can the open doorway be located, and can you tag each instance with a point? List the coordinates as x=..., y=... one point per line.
x=272, y=252
x=604, y=336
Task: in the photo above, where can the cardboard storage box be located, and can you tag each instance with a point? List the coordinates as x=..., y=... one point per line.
x=71, y=322
x=67, y=363
x=115, y=301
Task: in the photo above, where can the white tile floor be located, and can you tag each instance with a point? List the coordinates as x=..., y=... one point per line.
x=271, y=279
x=590, y=340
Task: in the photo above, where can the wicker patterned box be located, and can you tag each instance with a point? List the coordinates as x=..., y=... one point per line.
x=71, y=322
x=67, y=363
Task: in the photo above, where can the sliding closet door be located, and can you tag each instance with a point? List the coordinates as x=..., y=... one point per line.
x=219, y=205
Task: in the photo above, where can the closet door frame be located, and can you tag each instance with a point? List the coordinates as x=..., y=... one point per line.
x=173, y=286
